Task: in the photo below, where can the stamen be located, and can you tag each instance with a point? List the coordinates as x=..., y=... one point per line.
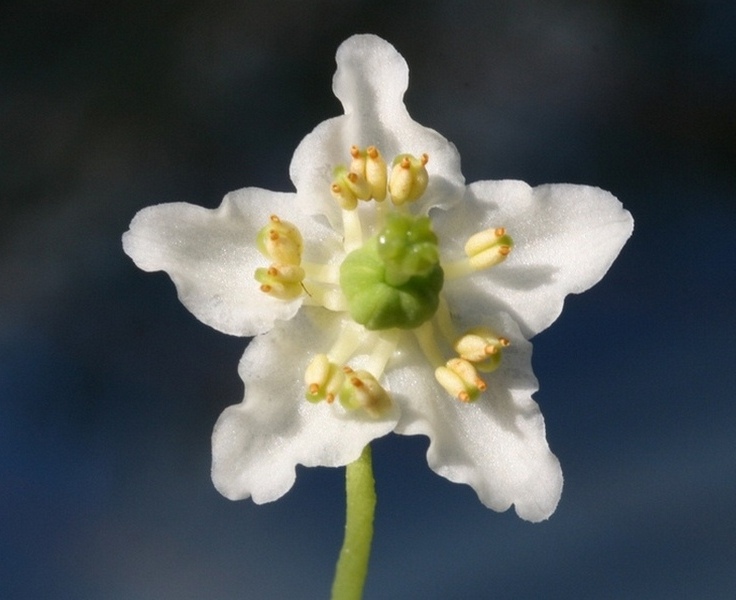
x=370, y=168
x=460, y=379
x=352, y=230
x=322, y=273
x=383, y=349
x=444, y=321
x=344, y=196
x=327, y=297
x=346, y=343
x=409, y=178
x=281, y=281
x=280, y=241
x=362, y=390
x=483, y=347
x=428, y=345
x=323, y=378
x=488, y=248
x=483, y=250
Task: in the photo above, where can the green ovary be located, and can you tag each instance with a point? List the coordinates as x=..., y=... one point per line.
x=395, y=278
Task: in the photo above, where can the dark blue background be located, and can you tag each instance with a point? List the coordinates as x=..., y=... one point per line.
x=109, y=388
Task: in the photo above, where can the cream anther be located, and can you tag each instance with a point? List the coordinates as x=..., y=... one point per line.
x=460, y=379
x=361, y=390
x=348, y=187
x=488, y=248
x=409, y=178
x=281, y=281
x=370, y=166
x=280, y=241
x=482, y=347
x=323, y=379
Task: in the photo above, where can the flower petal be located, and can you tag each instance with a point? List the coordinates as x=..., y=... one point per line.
x=211, y=256
x=565, y=239
x=257, y=444
x=496, y=444
x=370, y=81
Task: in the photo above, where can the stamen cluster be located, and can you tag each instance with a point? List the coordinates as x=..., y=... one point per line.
x=282, y=243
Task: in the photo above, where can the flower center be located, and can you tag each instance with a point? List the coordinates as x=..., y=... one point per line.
x=395, y=278
x=390, y=284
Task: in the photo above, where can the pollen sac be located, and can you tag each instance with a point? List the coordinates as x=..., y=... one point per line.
x=460, y=379
x=281, y=281
x=348, y=187
x=361, y=390
x=324, y=379
x=370, y=165
x=281, y=241
x=394, y=279
x=409, y=178
x=488, y=248
x=482, y=347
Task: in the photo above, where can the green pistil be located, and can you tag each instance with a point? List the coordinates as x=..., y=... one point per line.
x=395, y=278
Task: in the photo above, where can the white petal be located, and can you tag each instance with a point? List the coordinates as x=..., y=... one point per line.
x=497, y=444
x=257, y=444
x=211, y=255
x=565, y=239
x=370, y=82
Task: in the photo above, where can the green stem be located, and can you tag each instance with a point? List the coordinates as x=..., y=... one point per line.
x=352, y=566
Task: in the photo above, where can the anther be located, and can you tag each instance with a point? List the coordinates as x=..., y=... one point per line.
x=408, y=179
x=349, y=186
x=488, y=248
x=281, y=281
x=280, y=241
x=323, y=379
x=362, y=390
x=460, y=379
x=482, y=347
x=371, y=169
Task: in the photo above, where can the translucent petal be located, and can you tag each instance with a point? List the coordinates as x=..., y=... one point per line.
x=496, y=444
x=211, y=256
x=370, y=82
x=257, y=444
x=565, y=239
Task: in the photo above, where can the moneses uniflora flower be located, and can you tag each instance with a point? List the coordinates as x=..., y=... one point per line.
x=384, y=295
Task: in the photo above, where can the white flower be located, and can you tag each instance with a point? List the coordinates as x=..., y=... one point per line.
x=375, y=332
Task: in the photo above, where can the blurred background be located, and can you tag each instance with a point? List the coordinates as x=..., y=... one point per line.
x=109, y=388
